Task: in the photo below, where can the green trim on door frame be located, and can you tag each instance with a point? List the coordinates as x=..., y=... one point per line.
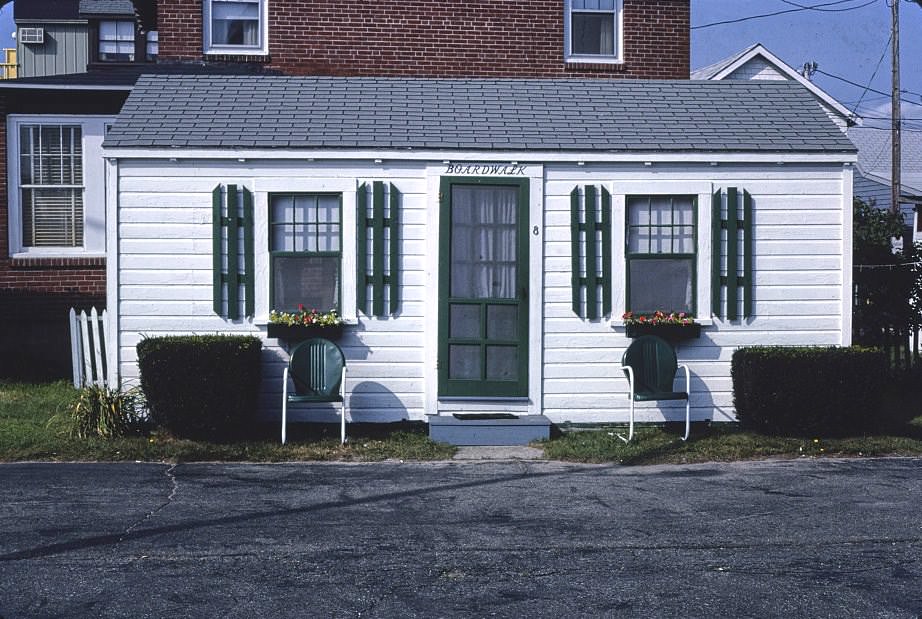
x=483, y=388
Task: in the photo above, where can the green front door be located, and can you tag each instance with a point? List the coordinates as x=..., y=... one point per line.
x=483, y=288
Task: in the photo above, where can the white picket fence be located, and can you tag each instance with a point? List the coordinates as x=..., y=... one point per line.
x=89, y=336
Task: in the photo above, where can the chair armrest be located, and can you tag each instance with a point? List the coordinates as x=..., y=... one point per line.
x=630, y=379
x=687, y=379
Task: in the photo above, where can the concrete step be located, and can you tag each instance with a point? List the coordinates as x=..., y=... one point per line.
x=488, y=428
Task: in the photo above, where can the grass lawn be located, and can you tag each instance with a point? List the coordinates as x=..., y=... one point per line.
x=33, y=426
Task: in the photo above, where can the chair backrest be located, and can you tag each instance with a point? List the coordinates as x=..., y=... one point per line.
x=316, y=367
x=654, y=363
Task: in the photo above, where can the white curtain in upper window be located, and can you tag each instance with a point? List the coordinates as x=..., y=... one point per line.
x=235, y=22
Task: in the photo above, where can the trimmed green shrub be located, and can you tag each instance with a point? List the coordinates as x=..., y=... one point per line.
x=201, y=386
x=808, y=391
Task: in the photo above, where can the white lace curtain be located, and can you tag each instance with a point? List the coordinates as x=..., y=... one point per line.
x=483, y=242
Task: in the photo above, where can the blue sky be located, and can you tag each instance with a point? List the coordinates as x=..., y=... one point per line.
x=844, y=43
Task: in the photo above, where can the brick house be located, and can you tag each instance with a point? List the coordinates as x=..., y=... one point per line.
x=43, y=272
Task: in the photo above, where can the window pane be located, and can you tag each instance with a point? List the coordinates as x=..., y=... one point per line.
x=593, y=33
x=502, y=363
x=660, y=284
x=483, y=242
x=235, y=23
x=309, y=280
x=464, y=362
x=52, y=217
x=502, y=322
x=464, y=321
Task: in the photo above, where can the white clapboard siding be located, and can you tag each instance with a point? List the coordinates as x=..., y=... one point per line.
x=165, y=276
x=165, y=286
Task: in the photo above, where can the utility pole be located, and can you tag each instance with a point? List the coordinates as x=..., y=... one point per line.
x=895, y=158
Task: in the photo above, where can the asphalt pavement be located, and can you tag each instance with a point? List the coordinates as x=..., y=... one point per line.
x=521, y=538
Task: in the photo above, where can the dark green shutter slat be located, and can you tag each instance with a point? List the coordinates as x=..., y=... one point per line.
x=574, y=249
x=377, y=250
x=395, y=248
x=747, y=254
x=361, y=266
x=592, y=283
x=233, y=255
x=216, y=250
x=732, y=253
x=249, y=268
x=715, y=253
x=606, y=252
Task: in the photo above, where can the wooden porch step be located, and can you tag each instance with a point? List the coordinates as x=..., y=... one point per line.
x=488, y=428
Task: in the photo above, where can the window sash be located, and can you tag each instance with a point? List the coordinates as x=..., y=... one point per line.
x=51, y=185
x=661, y=232
x=593, y=28
x=116, y=41
x=305, y=241
x=236, y=23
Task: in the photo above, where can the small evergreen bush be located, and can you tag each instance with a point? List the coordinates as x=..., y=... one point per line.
x=201, y=386
x=808, y=391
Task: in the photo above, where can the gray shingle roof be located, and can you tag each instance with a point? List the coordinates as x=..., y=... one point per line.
x=470, y=114
x=107, y=7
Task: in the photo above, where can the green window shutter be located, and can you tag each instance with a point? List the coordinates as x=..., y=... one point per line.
x=384, y=255
x=739, y=254
x=232, y=225
x=587, y=233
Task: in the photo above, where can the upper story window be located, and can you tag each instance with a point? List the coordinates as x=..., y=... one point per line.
x=57, y=193
x=152, y=45
x=592, y=31
x=116, y=41
x=235, y=26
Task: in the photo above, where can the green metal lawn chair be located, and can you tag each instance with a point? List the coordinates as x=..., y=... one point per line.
x=650, y=366
x=317, y=368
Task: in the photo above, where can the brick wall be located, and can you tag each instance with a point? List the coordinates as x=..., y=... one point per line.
x=485, y=38
x=36, y=293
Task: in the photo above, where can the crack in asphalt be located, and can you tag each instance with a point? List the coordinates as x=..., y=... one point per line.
x=169, y=499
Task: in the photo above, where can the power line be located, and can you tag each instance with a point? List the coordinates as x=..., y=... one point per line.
x=797, y=10
x=873, y=75
x=847, y=81
x=816, y=7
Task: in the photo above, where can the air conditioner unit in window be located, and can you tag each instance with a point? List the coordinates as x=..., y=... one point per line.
x=32, y=35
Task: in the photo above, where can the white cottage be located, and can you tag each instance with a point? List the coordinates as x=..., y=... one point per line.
x=448, y=219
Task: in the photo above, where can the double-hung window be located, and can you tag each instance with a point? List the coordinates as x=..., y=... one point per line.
x=305, y=244
x=592, y=30
x=661, y=252
x=235, y=26
x=116, y=41
x=57, y=187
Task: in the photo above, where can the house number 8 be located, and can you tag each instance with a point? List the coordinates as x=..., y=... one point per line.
x=535, y=230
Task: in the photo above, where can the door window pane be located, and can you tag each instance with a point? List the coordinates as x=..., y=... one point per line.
x=464, y=362
x=502, y=322
x=484, y=243
x=464, y=321
x=502, y=363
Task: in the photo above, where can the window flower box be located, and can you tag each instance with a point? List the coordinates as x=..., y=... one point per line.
x=304, y=325
x=672, y=326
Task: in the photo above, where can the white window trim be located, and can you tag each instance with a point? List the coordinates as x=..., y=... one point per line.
x=616, y=58
x=262, y=188
x=94, y=192
x=236, y=50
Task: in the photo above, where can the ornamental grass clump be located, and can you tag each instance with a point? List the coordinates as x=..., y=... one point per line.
x=101, y=412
